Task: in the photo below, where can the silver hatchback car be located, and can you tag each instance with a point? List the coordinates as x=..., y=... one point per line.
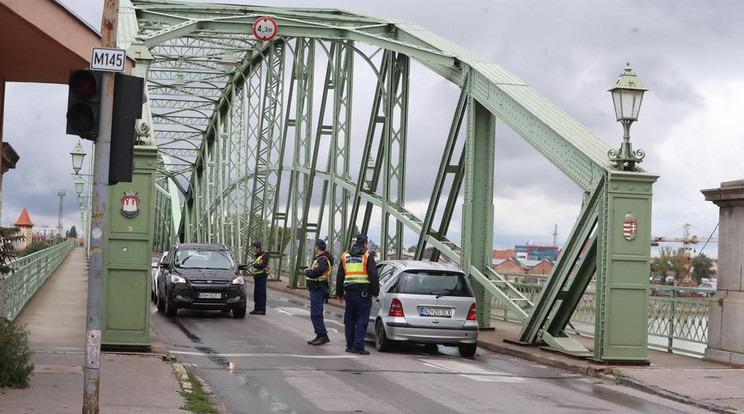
x=425, y=303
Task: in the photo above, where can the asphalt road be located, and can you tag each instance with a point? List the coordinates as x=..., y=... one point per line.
x=262, y=364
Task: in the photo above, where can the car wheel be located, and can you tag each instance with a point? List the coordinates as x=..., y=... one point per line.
x=170, y=310
x=238, y=313
x=382, y=343
x=160, y=303
x=467, y=350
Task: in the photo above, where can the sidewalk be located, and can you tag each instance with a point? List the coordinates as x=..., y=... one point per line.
x=690, y=380
x=55, y=318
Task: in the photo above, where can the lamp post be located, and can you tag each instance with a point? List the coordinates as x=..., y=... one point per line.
x=627, y=94
x=78, y=155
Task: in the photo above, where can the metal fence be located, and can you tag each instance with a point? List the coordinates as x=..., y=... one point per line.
x=28, y=274
x=677, y=316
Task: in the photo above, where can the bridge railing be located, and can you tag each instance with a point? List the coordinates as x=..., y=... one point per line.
x=29, y=274
x=677, y=316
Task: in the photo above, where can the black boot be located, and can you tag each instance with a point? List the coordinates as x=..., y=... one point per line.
x=312, y=341
x=321, y=340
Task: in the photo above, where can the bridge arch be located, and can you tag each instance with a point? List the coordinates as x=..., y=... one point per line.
x=241, y=133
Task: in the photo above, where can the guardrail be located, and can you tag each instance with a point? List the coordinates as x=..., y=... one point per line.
x=677, y=316
x=29, y=274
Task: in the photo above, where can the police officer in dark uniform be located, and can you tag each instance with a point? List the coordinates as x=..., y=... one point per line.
x=260, y=274
x=357, y=282
x=316, y=278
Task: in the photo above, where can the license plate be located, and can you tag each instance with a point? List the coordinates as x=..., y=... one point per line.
x=435, y=312
x=208, y=295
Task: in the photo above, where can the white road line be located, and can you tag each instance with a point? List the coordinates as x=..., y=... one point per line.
x=472, y=372
x=263, y=355
x=294, y=311
x=281, y=310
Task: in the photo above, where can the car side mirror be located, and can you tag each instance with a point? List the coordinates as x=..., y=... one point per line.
x=163, y=265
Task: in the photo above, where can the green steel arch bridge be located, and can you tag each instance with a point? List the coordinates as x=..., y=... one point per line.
x=255, y=138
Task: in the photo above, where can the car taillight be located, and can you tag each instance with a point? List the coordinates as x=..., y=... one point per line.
x=396, y=308
x=472, y=313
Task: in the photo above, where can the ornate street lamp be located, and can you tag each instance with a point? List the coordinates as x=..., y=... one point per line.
x=78, y=155
x=627, y=94
x=79, y=185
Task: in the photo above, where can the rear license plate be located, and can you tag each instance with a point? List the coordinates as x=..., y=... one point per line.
x=208, y=295
x=435, y=312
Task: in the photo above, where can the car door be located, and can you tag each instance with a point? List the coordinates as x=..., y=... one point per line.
x=385, y=272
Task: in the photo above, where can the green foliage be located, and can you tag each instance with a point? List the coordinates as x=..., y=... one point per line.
x=8, y=235
x=33, y=248
x=702, y=268
x=15, y=370
x=670, y=259
x=72, y=233
x=197, y=401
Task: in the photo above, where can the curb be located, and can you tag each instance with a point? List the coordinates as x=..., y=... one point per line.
x=652, y=389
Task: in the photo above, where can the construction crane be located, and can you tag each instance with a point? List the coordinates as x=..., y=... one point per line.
x=687, y=239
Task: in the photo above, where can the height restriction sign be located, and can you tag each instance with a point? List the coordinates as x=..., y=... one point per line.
x=264, y=28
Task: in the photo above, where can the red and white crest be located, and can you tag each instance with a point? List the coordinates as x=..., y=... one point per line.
x=130, y=204
x=630, y=226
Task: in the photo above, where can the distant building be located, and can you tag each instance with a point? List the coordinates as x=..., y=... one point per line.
x=45, y=232
x=498, y=256
x=510, y=266
x=24, y=223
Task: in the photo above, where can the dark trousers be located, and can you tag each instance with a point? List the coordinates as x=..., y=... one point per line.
x=317, y=298
x=259, y=293
x=356, y=318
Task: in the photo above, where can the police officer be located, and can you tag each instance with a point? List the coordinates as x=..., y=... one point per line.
x=260, y=273
x=357, y=283
x=317, y=277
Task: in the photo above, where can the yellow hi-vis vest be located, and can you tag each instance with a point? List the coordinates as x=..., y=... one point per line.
x=262, y=272
x=325, y=275
x=355, y=268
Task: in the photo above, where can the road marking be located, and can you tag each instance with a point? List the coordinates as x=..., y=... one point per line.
x=334, y=330
x=472, y=372
x=264, y=354
x=337, y=323
x=294, y=311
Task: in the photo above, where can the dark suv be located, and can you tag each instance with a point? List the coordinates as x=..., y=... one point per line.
x=200, y=276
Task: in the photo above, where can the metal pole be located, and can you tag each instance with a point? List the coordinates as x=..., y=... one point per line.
x=98, y=221
x=60, y=228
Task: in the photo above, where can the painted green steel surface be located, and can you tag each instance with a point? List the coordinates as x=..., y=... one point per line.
x=28, y=275
x=126, y=281
x=241, y=137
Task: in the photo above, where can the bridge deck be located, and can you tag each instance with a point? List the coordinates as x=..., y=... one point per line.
x=55, y=316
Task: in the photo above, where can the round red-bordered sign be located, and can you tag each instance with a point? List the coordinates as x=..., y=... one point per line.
x=265, y=28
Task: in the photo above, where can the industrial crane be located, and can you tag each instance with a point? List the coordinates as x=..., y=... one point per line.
x=687, y=240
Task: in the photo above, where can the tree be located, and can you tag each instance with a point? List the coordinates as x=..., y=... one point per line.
x=702, y=268
x=671, y=260
x=72, y=233
x=8, y=236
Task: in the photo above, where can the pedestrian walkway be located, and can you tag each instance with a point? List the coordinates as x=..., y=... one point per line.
x=691, y=380
x=55, y=318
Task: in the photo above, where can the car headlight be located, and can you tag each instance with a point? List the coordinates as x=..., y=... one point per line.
x=177, y=279
x=238, y=281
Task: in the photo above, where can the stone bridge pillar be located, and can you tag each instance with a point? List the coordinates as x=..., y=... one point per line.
x=726, y=312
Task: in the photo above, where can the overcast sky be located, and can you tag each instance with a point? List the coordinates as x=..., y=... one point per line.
x=688, y=53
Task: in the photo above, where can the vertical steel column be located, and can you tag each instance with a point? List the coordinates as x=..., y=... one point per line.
x=477, y=211
x=394, y=139
x=262, y=186
x=305, y=58
x=624, y=230
x=339, y=155
x=254, y=100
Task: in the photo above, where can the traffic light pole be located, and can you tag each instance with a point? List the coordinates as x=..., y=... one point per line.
x=97, y=256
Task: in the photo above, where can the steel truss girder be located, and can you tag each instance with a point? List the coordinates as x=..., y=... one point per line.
x=497, y=93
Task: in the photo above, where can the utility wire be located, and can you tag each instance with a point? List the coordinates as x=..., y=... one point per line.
x=698, y=255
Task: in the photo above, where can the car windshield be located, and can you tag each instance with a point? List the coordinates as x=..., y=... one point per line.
x=433, y=283
x=203, y=259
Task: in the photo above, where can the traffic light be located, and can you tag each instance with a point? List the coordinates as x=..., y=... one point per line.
x=84, y=103
x=128, y=99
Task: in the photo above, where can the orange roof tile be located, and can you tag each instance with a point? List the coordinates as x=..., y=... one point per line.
x=24, y=220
